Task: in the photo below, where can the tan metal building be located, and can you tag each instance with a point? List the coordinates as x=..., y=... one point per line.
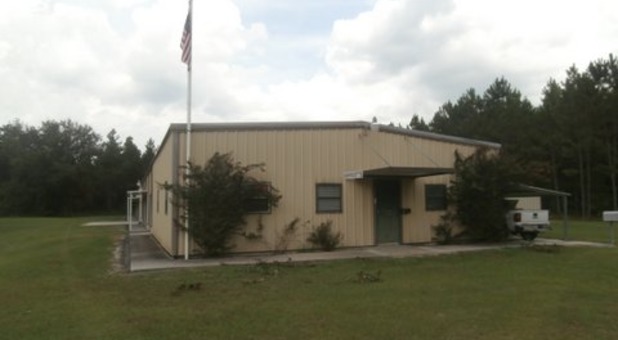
x=376, y=183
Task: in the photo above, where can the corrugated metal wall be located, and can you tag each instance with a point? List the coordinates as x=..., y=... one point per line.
x=162, y=172
x=417, y=224
x=296, y=160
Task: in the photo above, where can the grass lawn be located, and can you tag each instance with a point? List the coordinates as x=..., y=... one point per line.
x=55, y=283
x=593, y=231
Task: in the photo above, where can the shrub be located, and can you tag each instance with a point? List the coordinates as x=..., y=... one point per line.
x=478, y=190
x=324, y=238
x=443, y=230
x=218, y=197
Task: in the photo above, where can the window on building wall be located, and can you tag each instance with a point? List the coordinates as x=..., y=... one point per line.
x=435, y=197
x=259, y=203
x=328, y=197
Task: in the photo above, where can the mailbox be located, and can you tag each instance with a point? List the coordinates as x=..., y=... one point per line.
x=610, y=216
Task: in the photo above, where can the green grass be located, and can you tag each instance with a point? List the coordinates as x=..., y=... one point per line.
x=55, y=283
x=581, y=230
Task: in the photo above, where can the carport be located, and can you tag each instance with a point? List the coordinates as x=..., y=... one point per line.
x=522, y=190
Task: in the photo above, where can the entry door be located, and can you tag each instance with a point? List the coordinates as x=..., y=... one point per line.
x=387, y=211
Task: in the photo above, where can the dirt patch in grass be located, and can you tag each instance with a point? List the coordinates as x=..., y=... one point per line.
x=119, y=261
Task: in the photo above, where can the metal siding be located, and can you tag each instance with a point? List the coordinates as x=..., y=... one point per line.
x=296, y=160
x=408, y=199
x=150, y=189
x=162, y=172
x=176, y=233
x=421, y=221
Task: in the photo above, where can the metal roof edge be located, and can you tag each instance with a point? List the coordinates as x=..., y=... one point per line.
x=438, y=137
x=152, y=162
x=301, y=125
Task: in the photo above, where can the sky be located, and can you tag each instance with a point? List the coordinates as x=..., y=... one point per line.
x=115, y=64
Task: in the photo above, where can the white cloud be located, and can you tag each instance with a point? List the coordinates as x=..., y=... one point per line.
x=68, y=60
x=431, y=51
x=116, y=64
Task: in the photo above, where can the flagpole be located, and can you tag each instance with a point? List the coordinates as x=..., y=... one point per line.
x=188, y=143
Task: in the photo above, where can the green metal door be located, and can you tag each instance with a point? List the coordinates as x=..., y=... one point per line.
x=387, y=211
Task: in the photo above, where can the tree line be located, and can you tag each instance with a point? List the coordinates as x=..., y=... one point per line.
x=569, y=142
x=65, y=168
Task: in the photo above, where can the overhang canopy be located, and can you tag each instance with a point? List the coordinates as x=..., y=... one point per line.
x=397, y=172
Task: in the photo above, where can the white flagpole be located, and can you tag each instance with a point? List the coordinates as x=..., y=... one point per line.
x=188, y=143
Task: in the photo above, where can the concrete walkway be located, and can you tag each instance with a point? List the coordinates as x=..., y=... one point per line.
x=106, y=224
x=146, y=254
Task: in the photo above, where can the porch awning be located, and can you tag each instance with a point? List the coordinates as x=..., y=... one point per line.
x=397, y=172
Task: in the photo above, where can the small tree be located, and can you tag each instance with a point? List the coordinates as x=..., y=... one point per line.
x=218, y=198
x=481, y=183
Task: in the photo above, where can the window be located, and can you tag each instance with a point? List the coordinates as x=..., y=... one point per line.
x=158, y=195
x=259, y=203
x=435, y=197
x=328, y=198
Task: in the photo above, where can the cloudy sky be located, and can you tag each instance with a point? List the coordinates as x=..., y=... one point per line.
x=116, y=63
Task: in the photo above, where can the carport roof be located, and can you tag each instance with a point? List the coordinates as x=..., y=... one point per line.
x=522, y=190
x=397, y=172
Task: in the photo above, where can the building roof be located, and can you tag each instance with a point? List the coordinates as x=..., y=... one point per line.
x=181, y=127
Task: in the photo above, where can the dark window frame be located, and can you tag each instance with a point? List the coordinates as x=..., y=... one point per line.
x=268, y=185
x=319, y=198
x=435, y=200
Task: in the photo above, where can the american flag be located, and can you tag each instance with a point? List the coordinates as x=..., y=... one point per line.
x=185, y=42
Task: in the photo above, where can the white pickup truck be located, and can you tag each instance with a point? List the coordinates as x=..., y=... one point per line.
x=527, y=223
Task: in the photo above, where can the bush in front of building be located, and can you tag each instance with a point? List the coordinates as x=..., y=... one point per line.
x=323, y=237
x=443, y=231
x=216, y=199
x=481, y=183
